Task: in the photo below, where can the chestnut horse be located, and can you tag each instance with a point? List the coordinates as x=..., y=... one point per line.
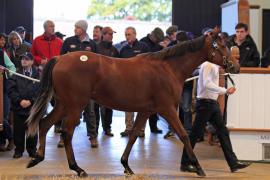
x=148, y=83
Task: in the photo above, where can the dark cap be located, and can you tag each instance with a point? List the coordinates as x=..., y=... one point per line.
x=20, y=29
x=59, y=34
x=27, y=55
x=107, y=29
x=158, y=33
x=206, y=30
x=172, y=29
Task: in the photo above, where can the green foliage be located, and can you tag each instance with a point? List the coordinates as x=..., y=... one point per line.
x=145, y=10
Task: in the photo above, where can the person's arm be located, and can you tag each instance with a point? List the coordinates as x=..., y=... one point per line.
x=13, y=91
x=8, y=63
x=37, y=58
x=208, y=74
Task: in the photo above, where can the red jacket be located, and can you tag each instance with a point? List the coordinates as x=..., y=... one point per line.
x=44, y=47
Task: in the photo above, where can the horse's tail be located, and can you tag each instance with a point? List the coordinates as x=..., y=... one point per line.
x=45, y=94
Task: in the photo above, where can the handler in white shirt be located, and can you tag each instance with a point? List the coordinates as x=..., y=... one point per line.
x=207, y=109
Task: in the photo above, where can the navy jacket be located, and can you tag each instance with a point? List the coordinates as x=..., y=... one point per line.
x=249, y=55
x=153, y=47
x=130, y=51
x=73, y=43
x=20, y=88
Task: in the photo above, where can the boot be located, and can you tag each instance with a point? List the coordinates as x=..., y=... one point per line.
x=61, y=143
x=94, y=142
x=10, y=145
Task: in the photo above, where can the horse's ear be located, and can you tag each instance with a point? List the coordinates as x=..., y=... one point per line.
x=216, y=30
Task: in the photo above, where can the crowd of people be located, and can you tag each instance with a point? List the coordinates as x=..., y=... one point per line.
x=27, y=58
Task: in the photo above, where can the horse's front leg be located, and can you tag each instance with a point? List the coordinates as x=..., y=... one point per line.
x=170, y=115
x=137, y=126
x=67, y=134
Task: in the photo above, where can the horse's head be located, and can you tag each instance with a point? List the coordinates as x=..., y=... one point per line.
x=219, y=53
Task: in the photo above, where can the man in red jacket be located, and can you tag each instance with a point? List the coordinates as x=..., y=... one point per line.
x=46, y=45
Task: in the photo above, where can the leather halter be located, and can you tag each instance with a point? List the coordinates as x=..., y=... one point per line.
x=228, y=64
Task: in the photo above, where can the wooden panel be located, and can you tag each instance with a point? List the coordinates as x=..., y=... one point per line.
x=1, y=102
x=248, y=130
x=246, y=70
x=243, y=11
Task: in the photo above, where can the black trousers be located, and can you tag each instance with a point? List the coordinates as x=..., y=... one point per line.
x=20, y=127
x=209, y=110
x=153, y=122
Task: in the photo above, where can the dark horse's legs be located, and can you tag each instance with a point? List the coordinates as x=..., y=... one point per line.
x=73, y=117
x=44, y=126
x=137, y=126
x=171, y=116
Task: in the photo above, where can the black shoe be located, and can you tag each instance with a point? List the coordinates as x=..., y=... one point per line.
x=124, y=133
x=156, y=131
x=239, y=165
x=17, y=155
x=109, y=133
x=168, y=134
x=32, y=154
x=141, y=134
x=201, y=139
x=188, y=168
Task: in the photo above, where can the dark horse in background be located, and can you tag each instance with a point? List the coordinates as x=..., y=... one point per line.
x=148, y=83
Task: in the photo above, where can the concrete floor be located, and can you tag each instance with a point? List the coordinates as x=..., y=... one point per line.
x=151, y=156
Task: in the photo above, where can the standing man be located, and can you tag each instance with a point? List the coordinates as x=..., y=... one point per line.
x=105, y=47
x=97, y=33
x=82, y=42
x=152, y=40
x=171, y=34
x=208, y=109
x=249, y=55
x=22, y=93
x=133, y=48
x=47, y=45
x=22, y=32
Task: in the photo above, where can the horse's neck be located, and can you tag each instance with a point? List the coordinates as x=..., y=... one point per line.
x=185, y=65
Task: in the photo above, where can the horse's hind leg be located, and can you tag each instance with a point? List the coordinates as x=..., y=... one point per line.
x=45, y=124
x=171, y=116
x=68, y=128
x=137, y=126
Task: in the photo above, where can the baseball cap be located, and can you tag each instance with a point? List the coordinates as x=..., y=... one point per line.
x=27, y=56
x=20, y=29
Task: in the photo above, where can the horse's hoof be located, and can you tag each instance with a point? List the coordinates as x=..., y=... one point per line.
x=200, y=172
x=128, y=172
x=82, y=174
x=35, y=161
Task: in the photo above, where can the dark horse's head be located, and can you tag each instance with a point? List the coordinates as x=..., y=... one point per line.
x=220, y=54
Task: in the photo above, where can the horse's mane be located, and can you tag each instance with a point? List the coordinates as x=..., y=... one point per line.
x=177, y=50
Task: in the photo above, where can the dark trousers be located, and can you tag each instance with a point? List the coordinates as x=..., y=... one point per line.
x=209, y=110
x=90, y=119
x=153, y=122
x=20, y=127
x=6, y=133
x=185, y=113
x=106, y=118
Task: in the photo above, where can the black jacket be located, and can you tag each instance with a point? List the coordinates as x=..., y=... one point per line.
x=107, y=49
x=130, y=51
x=73, y=43
x=266, y=58
x=153, y=47
x=249, y=55
x=20, y=88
